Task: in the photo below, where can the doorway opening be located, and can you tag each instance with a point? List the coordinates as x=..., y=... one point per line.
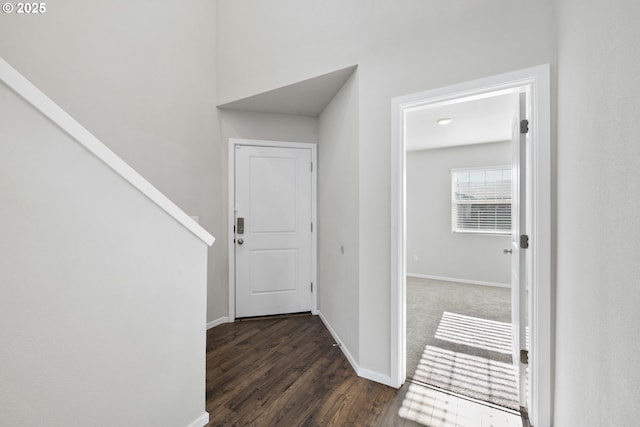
x=458, y=239
x=528, y=90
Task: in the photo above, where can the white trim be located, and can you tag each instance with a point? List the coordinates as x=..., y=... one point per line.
x=217, y=322
x=464, y=281
x=201, y=421
x=538, y=80
x=398, y=267
x=20, y=85
x=375, y=376
x=338, y=341
x=540, y=309
x=231, y=214
x=361, y=372
x=231, y=217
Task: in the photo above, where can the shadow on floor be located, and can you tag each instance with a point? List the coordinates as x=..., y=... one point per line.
x=459, y=339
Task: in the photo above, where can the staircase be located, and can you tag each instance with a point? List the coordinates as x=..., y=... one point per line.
x=102, y=280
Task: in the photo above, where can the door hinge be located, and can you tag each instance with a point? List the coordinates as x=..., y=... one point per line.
x=311, y=286
x=524, y=357
x=524, y=126
x=524, y=241
x=312, y=227
x=311, y=166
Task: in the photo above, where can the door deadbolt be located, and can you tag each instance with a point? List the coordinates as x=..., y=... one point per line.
x=240, y=241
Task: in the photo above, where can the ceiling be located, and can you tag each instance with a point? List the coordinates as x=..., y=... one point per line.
x=475, y=121
x=306, y=98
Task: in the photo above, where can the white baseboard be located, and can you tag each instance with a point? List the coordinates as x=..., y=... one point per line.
x=376, y=376
x=201, y=421
x=453, y=279
x=364, y=373
x=217, y=322
x=336, y=337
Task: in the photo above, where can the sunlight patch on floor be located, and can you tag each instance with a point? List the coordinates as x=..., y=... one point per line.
x=474, y=376
x=431, y=407
x=476, y=332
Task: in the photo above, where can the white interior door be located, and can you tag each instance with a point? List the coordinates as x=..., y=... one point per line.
x=518, y=255
x=273, y=229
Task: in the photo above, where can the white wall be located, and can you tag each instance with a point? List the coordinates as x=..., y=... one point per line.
x=598, y=273
x=272, y=127
x=338, y=249
x=120, y=67
x=141, y=77
x=401, y=47
x=102, y=294
x=440, y=252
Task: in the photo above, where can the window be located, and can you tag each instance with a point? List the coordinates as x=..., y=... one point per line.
x=481, y=200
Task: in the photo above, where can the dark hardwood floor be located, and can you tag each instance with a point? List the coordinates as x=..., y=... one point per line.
x=286, y=372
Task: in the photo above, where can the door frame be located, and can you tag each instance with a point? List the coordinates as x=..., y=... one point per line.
x=539, y=164
x=233, y=142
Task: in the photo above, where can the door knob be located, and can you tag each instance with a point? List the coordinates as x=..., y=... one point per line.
x=507, y=251
x=240, y=241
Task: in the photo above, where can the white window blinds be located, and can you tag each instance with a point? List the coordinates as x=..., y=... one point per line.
x=481, y=200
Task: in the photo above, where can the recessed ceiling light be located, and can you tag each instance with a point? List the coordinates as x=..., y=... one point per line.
x=444, y=121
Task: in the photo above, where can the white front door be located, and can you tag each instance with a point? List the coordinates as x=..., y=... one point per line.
x=518, y=256
x=273, y=208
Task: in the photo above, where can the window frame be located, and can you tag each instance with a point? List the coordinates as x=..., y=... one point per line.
x=455, y=202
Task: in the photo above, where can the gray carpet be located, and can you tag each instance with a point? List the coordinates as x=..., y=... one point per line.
x=459, y=339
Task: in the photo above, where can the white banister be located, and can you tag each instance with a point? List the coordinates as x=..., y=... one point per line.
x=23, y=87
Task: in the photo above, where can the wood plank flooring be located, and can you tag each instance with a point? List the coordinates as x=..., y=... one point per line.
x=286, y=372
